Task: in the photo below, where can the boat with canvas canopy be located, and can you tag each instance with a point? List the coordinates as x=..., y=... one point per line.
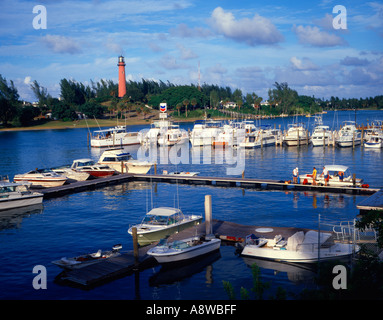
x=335, y=177
x=161, y=222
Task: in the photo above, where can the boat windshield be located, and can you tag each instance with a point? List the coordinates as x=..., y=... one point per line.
x=4, y=189
x=161, y=220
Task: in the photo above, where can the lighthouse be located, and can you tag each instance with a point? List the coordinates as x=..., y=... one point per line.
x=121, y=77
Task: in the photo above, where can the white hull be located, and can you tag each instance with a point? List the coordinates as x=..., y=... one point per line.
x=129, y=167
x=46, y=183
x=295, y=142
x=115, y=137
x=348, y=143
x=172, y=255
x=307, y=255
x=23, y=201
x=373, y=145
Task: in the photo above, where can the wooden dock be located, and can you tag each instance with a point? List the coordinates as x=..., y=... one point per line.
x=372, y=203
x=110, y=269
x=261, y=184
x=86, y=185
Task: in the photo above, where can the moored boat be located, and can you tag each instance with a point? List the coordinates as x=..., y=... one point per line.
x=183, y=250
x=301, y=248
x=374, y=142
x=123, y=162
x=16, y=195
x=92, y=168
x=117, y=136
x=349, y=135
x=339, y=175
x=41, y=178
x=161, y=222
x=87, y=259
x=296, y=135
x=68, y=172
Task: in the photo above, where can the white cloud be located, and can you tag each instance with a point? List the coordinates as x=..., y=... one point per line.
x=303, y=64
x=61, y=44
x=27, y=80
x=255, y=31
x=314, y=36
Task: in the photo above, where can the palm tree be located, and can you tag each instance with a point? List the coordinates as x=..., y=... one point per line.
x=186, y=103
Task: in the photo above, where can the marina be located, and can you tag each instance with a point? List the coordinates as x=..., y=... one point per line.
x=84, y=216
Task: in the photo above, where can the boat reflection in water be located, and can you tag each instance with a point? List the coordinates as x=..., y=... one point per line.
x=12, y=218
x=169, y=274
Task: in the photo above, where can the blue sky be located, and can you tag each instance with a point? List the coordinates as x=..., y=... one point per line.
x=243, y=44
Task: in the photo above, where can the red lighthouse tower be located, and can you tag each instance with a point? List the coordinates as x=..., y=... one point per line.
x=121, y=77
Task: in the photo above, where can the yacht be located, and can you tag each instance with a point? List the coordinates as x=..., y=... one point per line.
x=117, y=136
x=232, y=134
x=172, y=135
x=349, y=135
x=205, y=132
x=263, y=137
x=41, y=178
x=296, y=135
x=123, y=162
x=151, y=136
x=16, y=195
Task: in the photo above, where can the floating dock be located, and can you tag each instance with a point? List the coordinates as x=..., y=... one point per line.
x=261, y=184
x=372, y=203
x=110, y=269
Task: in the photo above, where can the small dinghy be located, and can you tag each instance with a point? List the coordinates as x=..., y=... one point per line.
x=87, y=259
x=181, y=250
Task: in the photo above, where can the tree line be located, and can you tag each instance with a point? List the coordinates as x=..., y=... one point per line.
x=97, y=99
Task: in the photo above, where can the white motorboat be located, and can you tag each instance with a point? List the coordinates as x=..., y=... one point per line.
x=205, y=132
x=172, y=135
x=117, y=136
x=335, y=177
x=348, y=135
x=301, y=248
x=232, y=134
x=161, y=222
x=374, y=142
x=183, y=250
x=41, y=178
x=68, y=172
x=322, y=134
x=87, y=259
x=92, y=168
x=181, y=173
x=262, y=137
x=16, y=195
x=123, y=162
x=296, y=135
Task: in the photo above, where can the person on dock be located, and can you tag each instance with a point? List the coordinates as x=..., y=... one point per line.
x=295, y=175
x=325, y=175
x=314, y=176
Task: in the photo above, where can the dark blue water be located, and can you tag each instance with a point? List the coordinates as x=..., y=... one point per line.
x=87, y=221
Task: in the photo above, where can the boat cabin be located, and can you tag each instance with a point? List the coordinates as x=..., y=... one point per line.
x=115, y=155
x=163, y=216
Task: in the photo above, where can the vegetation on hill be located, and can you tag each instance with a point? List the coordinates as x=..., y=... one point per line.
x=100, y=100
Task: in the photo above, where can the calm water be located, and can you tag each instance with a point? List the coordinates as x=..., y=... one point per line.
x=87, y=221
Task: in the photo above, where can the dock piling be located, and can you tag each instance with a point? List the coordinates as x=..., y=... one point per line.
x=208, y=215
x=135, y=245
